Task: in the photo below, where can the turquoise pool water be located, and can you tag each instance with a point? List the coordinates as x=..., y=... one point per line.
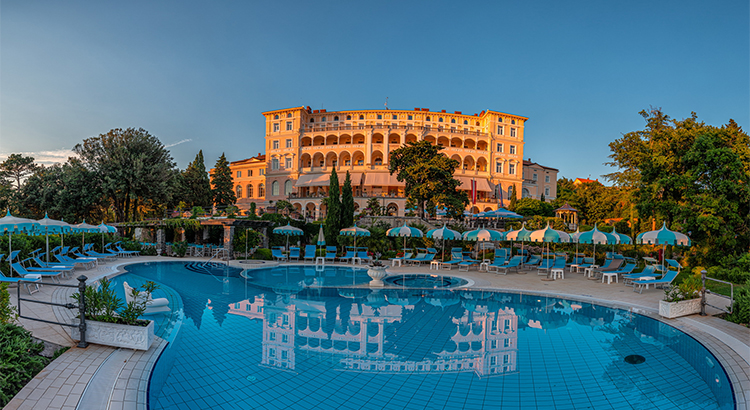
x=296, y=338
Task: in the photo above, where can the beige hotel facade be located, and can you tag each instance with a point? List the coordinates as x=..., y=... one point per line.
x=304, y=145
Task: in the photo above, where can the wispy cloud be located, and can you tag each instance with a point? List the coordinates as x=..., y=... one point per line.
x=178, y=143
x=58, y=156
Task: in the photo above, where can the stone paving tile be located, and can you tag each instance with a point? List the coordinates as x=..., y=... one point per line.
x=77, y=366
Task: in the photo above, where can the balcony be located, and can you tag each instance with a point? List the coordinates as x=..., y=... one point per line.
x=349, y=127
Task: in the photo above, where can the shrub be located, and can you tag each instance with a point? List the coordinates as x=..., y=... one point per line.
x=690, y=288
x=263, y=254
x=180, y=248
x=7, y=311
x=102, y=305
x=19, y=360
x=741, y=306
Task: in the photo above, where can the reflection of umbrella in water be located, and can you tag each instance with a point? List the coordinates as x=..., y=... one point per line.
x=375, y=300
x=590, y=315
x=443, y=299
x=547, y=319
x=401, y=298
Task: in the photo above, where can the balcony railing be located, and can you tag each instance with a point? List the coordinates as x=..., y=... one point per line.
x=349, y=127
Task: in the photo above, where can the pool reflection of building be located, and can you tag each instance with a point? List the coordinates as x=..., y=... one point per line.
x=481, y=340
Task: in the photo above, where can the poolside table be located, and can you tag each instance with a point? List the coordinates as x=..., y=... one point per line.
x=320, y=260
x=609, y=275
x=590, y=270
x=574, y=268
x=557, y=272
x=435, y=264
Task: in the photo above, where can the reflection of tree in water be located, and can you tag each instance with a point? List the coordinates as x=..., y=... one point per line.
x=422, y=332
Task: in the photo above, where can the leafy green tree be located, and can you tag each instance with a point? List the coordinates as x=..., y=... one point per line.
x=223, y=184
x=284, y=207
x=196, y=183
x=531, y=207
x=374, y=207
x=347, y=202
x=541, y=198
x=333, y=213
x=131, y=167
x=17, y=167
x=693, y=176
x=428, y=177
x=253, y=210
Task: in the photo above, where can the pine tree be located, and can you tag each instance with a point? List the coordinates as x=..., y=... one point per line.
x=347, y=203
x=333, y=215
x=197, y=185
x=541, y=198
x=223, y=185
x=513, y=198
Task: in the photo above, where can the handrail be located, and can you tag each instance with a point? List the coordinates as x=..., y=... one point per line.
x=81, y=308
x=704, y=303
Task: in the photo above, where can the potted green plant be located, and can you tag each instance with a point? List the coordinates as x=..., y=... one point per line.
x=111, y=322
x=683, y=299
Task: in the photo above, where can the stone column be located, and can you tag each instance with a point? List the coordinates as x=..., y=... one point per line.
x=264, y=231
x=161, y=239
x=228, y=245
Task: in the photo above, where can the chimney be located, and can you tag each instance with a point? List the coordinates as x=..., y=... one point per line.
x=457, y=112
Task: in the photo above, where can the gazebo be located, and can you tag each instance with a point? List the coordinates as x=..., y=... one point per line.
x=569, y=215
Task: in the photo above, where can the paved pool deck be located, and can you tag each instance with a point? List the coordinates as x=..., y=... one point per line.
x=100, y=377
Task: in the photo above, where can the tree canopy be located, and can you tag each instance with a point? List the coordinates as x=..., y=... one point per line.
x=196, y=183
x=223, y=184
x=428, y=177
x=17, y=167
x=131, y=167
x=693, y=176
x=333, y=209
x=347, y=202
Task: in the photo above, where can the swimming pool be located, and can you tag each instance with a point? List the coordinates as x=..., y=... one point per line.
x=279, y=344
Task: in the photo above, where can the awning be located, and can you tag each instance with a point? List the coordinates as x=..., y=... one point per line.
x=382, y=179
x=482, y=184
x=309, y=180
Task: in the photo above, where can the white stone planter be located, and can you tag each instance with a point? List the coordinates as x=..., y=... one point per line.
x=377, y=273
x=117, y=335
x=671, y=310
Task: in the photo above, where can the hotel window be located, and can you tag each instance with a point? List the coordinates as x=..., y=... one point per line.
x=361, y=162
x=546, y=179
x=239, y=174
x=380, y=117
x=440, y=119
x=261, y=190
x=275, y=188
x=276, y=117
x=285, y=338
x=289, y=115
x=312, y=119
x=512, y=121
x=250, y=173
x=492, y=361
x=499, y=167
x=534, y=177
x=512, y=149
x=249, y=191
x=288, y=125
x=410, y=117
x=378, y=161
x=287, y=187
x=285, y=320
x=275, y=164
x=512, y=132
x=348, y=117
x=276, y=127
x=323, y=119
x=546, y=191
x=453, y=120
x=336, y=118
x=288, y=163
x=361, y=117
x=248, y=307
x=272, y=336
x=272, y=352
x=284, y=354
x=499, y=147
x=275, y=145
x=289, y=143
x=507, y=324
x=500, y=119
x=427, y=119
x=512, y=169
x=394, y=117
x=500, y=130
x=506, y=359
x=506, y=343
x=493, y=344
x=262, y=171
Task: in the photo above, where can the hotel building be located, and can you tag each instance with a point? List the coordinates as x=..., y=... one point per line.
x=304, y=145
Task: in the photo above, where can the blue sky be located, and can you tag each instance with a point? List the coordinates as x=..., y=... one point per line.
x=198, y=74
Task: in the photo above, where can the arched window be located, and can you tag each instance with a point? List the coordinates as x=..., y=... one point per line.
x=440, y=119
x=361, y=117
x=378, y=161
x=249, y=190
x=477, y=123
x=312, y=119
x=239, y=191
x=287, y=187
x=453, y=120
x=275, y=188
x=323, y=119
x=466, y=122
x=276, y=117
x=525, y=193
x=289, y=115
x=427, y=119
x=348, y=117
x=336, y=118
x=261, y=190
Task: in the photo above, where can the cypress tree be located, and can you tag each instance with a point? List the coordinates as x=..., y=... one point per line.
x=541, y=198
x=513, y=198
x=333, y=215
x=223, y=184
x=197, y=185
x=347, y=203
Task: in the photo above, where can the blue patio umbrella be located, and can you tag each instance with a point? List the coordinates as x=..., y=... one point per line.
x=663, y=237
x=597, y=237
x=549, y=235
x=522, y=235
x=405, y=231
x=501, y=213
x=52, y=226
x=443, y=233
x=288, y=230
x=321, y=237
x=483, y=235
x=622, y=239
x=356, y=232
x=10, y=224
x=83, y=228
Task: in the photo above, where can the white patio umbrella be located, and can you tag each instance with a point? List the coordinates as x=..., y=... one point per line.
x=10, y=224
x=83, y=227
x=405, y=231
x=52, y=226
x=288, y=230
x=354, y=231
x=321, y=237
x=443, y=233
x=663, y=237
